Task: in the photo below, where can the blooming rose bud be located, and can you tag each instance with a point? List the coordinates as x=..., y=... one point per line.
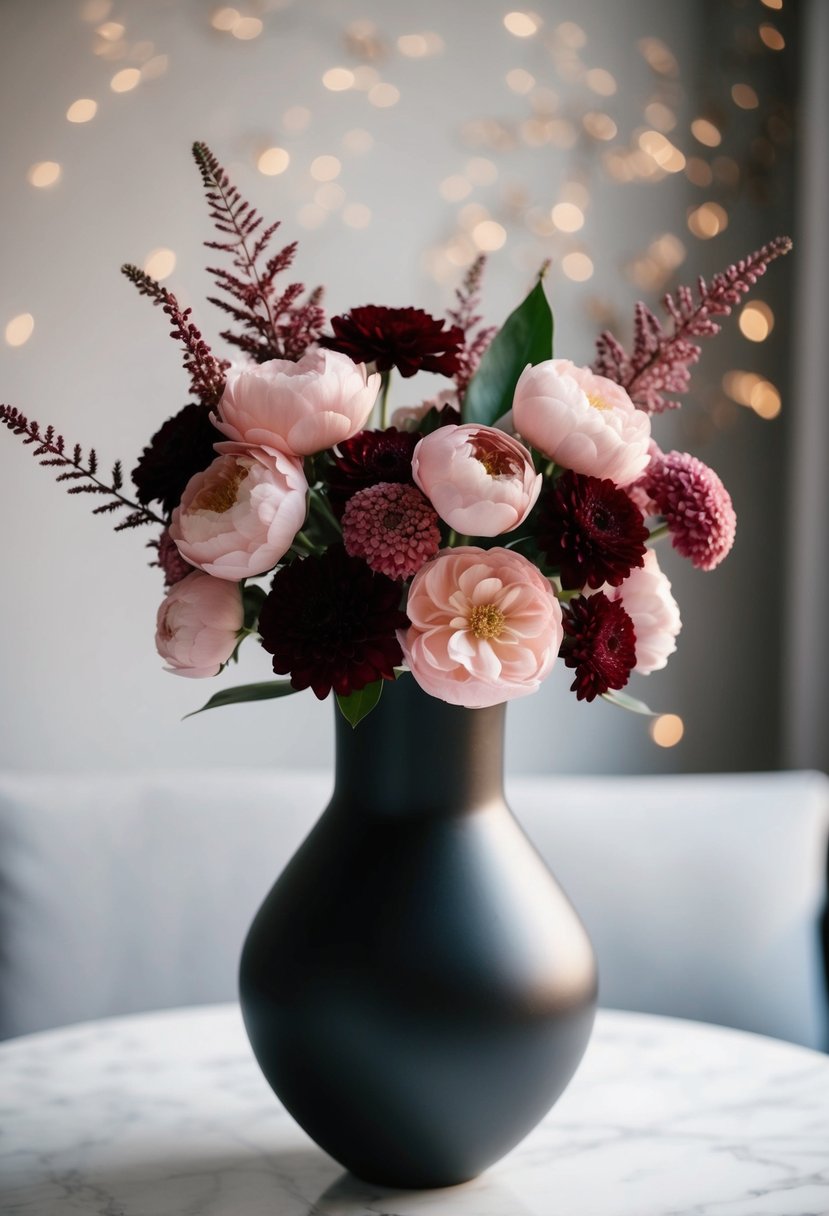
x=581, y=421
x=299, y=408
x=646, y=597
x=240, y=516
x=198, y=624
x=485, y=627
x=479, y=480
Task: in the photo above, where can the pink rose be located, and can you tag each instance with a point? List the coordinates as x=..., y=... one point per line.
x=646, y=597
x=240, y=516
x=198, y=625
x=299, y=408
x=581, y=421
x=485, y=627
x=479, y=480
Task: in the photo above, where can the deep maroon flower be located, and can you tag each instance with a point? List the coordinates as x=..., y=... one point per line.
x=600, y=643
x=696, y=505
x=393, y=528
x=368, y=458
x=405, y=338
x=591, y=530
x=330, y=622
x=182, y=448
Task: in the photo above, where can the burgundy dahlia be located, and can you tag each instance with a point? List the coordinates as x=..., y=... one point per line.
x=330, y=622
x=368, y=458
x=600, y=643
x=696, y=505
x=590, y=530
x=182, y=448
x=406, y=338
x=393, y=528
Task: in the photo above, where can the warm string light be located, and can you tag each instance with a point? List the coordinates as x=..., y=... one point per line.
x=667, y=730
x=19, y=329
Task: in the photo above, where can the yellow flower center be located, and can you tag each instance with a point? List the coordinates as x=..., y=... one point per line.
x=486, y=621
x=598, y=403
x=222, y=496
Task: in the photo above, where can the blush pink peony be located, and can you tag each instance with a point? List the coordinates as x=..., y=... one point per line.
x=485, y=627
x=240, y=516
x=299, y=408
x=582, y=421
x=480, y=481
x=198, y=624
x=646, y=597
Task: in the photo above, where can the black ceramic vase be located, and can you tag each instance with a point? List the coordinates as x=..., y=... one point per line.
x=416, y=988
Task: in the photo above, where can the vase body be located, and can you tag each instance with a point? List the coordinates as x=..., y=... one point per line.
x=416, y=988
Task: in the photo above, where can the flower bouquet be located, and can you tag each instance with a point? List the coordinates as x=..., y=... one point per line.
x=472, y=539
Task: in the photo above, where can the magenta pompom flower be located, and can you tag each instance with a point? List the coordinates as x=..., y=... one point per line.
x=591, y=530
x=393, y=528
x=600, y=643
x=696, y=506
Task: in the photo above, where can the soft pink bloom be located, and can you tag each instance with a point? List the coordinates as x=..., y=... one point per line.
x=581, y=421
x=406, y=417
x=479, y=480
x=198, y=624
x=392, y=527
x=240, y=516
x=485, y=627
x=299, y=408
x=646, y=597
x=696, y=506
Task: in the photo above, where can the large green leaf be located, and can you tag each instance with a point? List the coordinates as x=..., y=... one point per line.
x=246, y=692
x=356, y=705
x=526, y=337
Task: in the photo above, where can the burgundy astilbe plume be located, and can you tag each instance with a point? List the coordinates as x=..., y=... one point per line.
x=465, y=317
x=272, y=324
x=600, y=643
x=50, y=449
x=661, y=360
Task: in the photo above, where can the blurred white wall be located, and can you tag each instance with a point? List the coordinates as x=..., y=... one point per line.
x=81, y=684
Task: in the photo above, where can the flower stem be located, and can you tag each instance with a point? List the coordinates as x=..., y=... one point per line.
x=384, y=399
x=658, y=532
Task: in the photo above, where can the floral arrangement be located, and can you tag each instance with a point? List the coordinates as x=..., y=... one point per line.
x=474, y=538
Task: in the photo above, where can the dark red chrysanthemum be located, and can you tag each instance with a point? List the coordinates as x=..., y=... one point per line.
x=591, y=530
x=367, y=459
x=406, y=338
x=330, y=622
x=600, y=643
x=183, y=447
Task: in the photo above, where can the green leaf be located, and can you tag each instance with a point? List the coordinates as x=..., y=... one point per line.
x=356, y=705
x=253, y=597
x=625, y=702
x=246, y=692
x=526, y=337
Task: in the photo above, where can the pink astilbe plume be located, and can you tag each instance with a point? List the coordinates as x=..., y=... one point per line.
x=465, y=316
x=271, y=325
x=661, y=361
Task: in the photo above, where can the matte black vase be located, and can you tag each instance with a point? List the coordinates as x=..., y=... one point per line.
x=416, y=987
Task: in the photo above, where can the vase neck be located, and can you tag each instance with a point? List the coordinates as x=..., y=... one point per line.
x=415, y=755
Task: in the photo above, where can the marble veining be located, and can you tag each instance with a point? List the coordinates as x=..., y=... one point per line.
x=166, y=1114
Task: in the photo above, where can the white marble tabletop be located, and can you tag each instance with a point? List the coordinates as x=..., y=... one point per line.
x=166, y=1114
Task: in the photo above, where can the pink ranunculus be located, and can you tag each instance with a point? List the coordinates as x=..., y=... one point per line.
x=480, y=481
x=582, y=421
x=646, y=597
x=299, y=408
x=240, y=516
x=485, y=627
x=198, y=624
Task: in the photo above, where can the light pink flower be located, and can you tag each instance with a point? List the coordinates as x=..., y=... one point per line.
x=646, y=597
x=240, y=516
x=392, y=527
x=485, y=627
x=479, y=480
x=299, y=408
x=198, y=624
x=406, y=417
x=581, y=421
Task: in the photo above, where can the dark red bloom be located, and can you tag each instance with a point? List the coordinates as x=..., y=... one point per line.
x=600, y=643
x=183, y=447
x=406, y=338
x=591, y=530
x=331, y=622
x=367, y=459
